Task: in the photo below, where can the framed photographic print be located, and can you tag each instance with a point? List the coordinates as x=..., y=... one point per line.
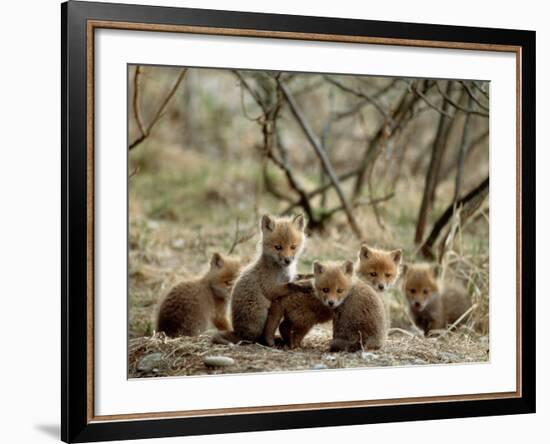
x=276, y=221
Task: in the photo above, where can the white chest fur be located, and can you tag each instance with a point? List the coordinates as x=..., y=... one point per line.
x=287, y=274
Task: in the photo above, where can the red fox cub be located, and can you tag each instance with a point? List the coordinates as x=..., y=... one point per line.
x=431, y=308
x=265, y=279
x=191, y=307
x=301, y=310
x=379, y=268
x=359, y=314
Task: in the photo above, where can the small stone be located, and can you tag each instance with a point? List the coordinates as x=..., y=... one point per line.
x=419, y=361
x=368, y=356
x=329, y=358
x=178, y=244
x=153, y=225
x=319, y=367
x=218, y=361
x=448, y=356
x=149, y=362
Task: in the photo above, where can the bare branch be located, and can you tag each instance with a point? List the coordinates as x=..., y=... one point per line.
x=361, y=203
x=309, y=88
x=322, y=157
x=167, y=98
x=477, y=195
x=137, y=109
x=458, y=106
x=462, y=153
x=479, y=138
x=235, y=239
x=401, y=114
x=352, y=111
x=480, y=89
x=272, y=140
x=245, y=112
x=292, y=180
x=470, y=149
x=427, y=101
x=430, y=182
x=133, y=172
x=473, y=96
x=367, y=97
x=324, y=141
x=340, y=115
x=341, y=178
x=405, y=106
x=146, y=130
x=251, y=90
x=238, y=239
x=272, y=189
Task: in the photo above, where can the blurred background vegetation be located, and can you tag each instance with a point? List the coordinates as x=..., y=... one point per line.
x=395, y=162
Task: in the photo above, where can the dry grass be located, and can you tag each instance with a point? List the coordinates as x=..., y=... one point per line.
x=184, y=356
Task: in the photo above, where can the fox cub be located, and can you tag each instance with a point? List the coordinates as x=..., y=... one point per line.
x=191, y=307
x=379, y=268
x=264, y=280
x=359, y=314
x=431, y=308
x=301, y=310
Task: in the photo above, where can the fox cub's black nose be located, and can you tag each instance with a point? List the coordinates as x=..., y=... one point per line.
x=288, y=260
x=331, y=303
x=381, y=286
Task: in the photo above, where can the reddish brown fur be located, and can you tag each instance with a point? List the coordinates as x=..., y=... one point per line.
x=359, y=314
x=431, y=308
x=301, y=310
x=193, y=306
x=378, y=268
x=265, y=279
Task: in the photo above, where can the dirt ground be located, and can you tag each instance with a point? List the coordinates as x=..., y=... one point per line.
x=158, y=355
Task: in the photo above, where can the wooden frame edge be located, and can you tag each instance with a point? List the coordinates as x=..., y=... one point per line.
x=95, y=24
x=90, y=119
x=283, y=408
x=519, y=220
x=235, y=32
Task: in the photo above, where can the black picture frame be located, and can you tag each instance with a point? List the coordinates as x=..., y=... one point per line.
x=76, y=423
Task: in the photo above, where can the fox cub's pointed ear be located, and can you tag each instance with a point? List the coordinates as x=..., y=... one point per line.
x=299, y=222
x=216, y=261
x=347, y=266
x=396, y=255
x=365, y=252
x=267, y=223
x=318, y=268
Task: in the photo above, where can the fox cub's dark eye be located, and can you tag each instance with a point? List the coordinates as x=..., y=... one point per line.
x=413, y=290
x=229, y=283
x=293, y=247
x=373, y=274
x=388, y=275
x=425, y=291
x=325, y=290
x=278, y=247
x=340, y=290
